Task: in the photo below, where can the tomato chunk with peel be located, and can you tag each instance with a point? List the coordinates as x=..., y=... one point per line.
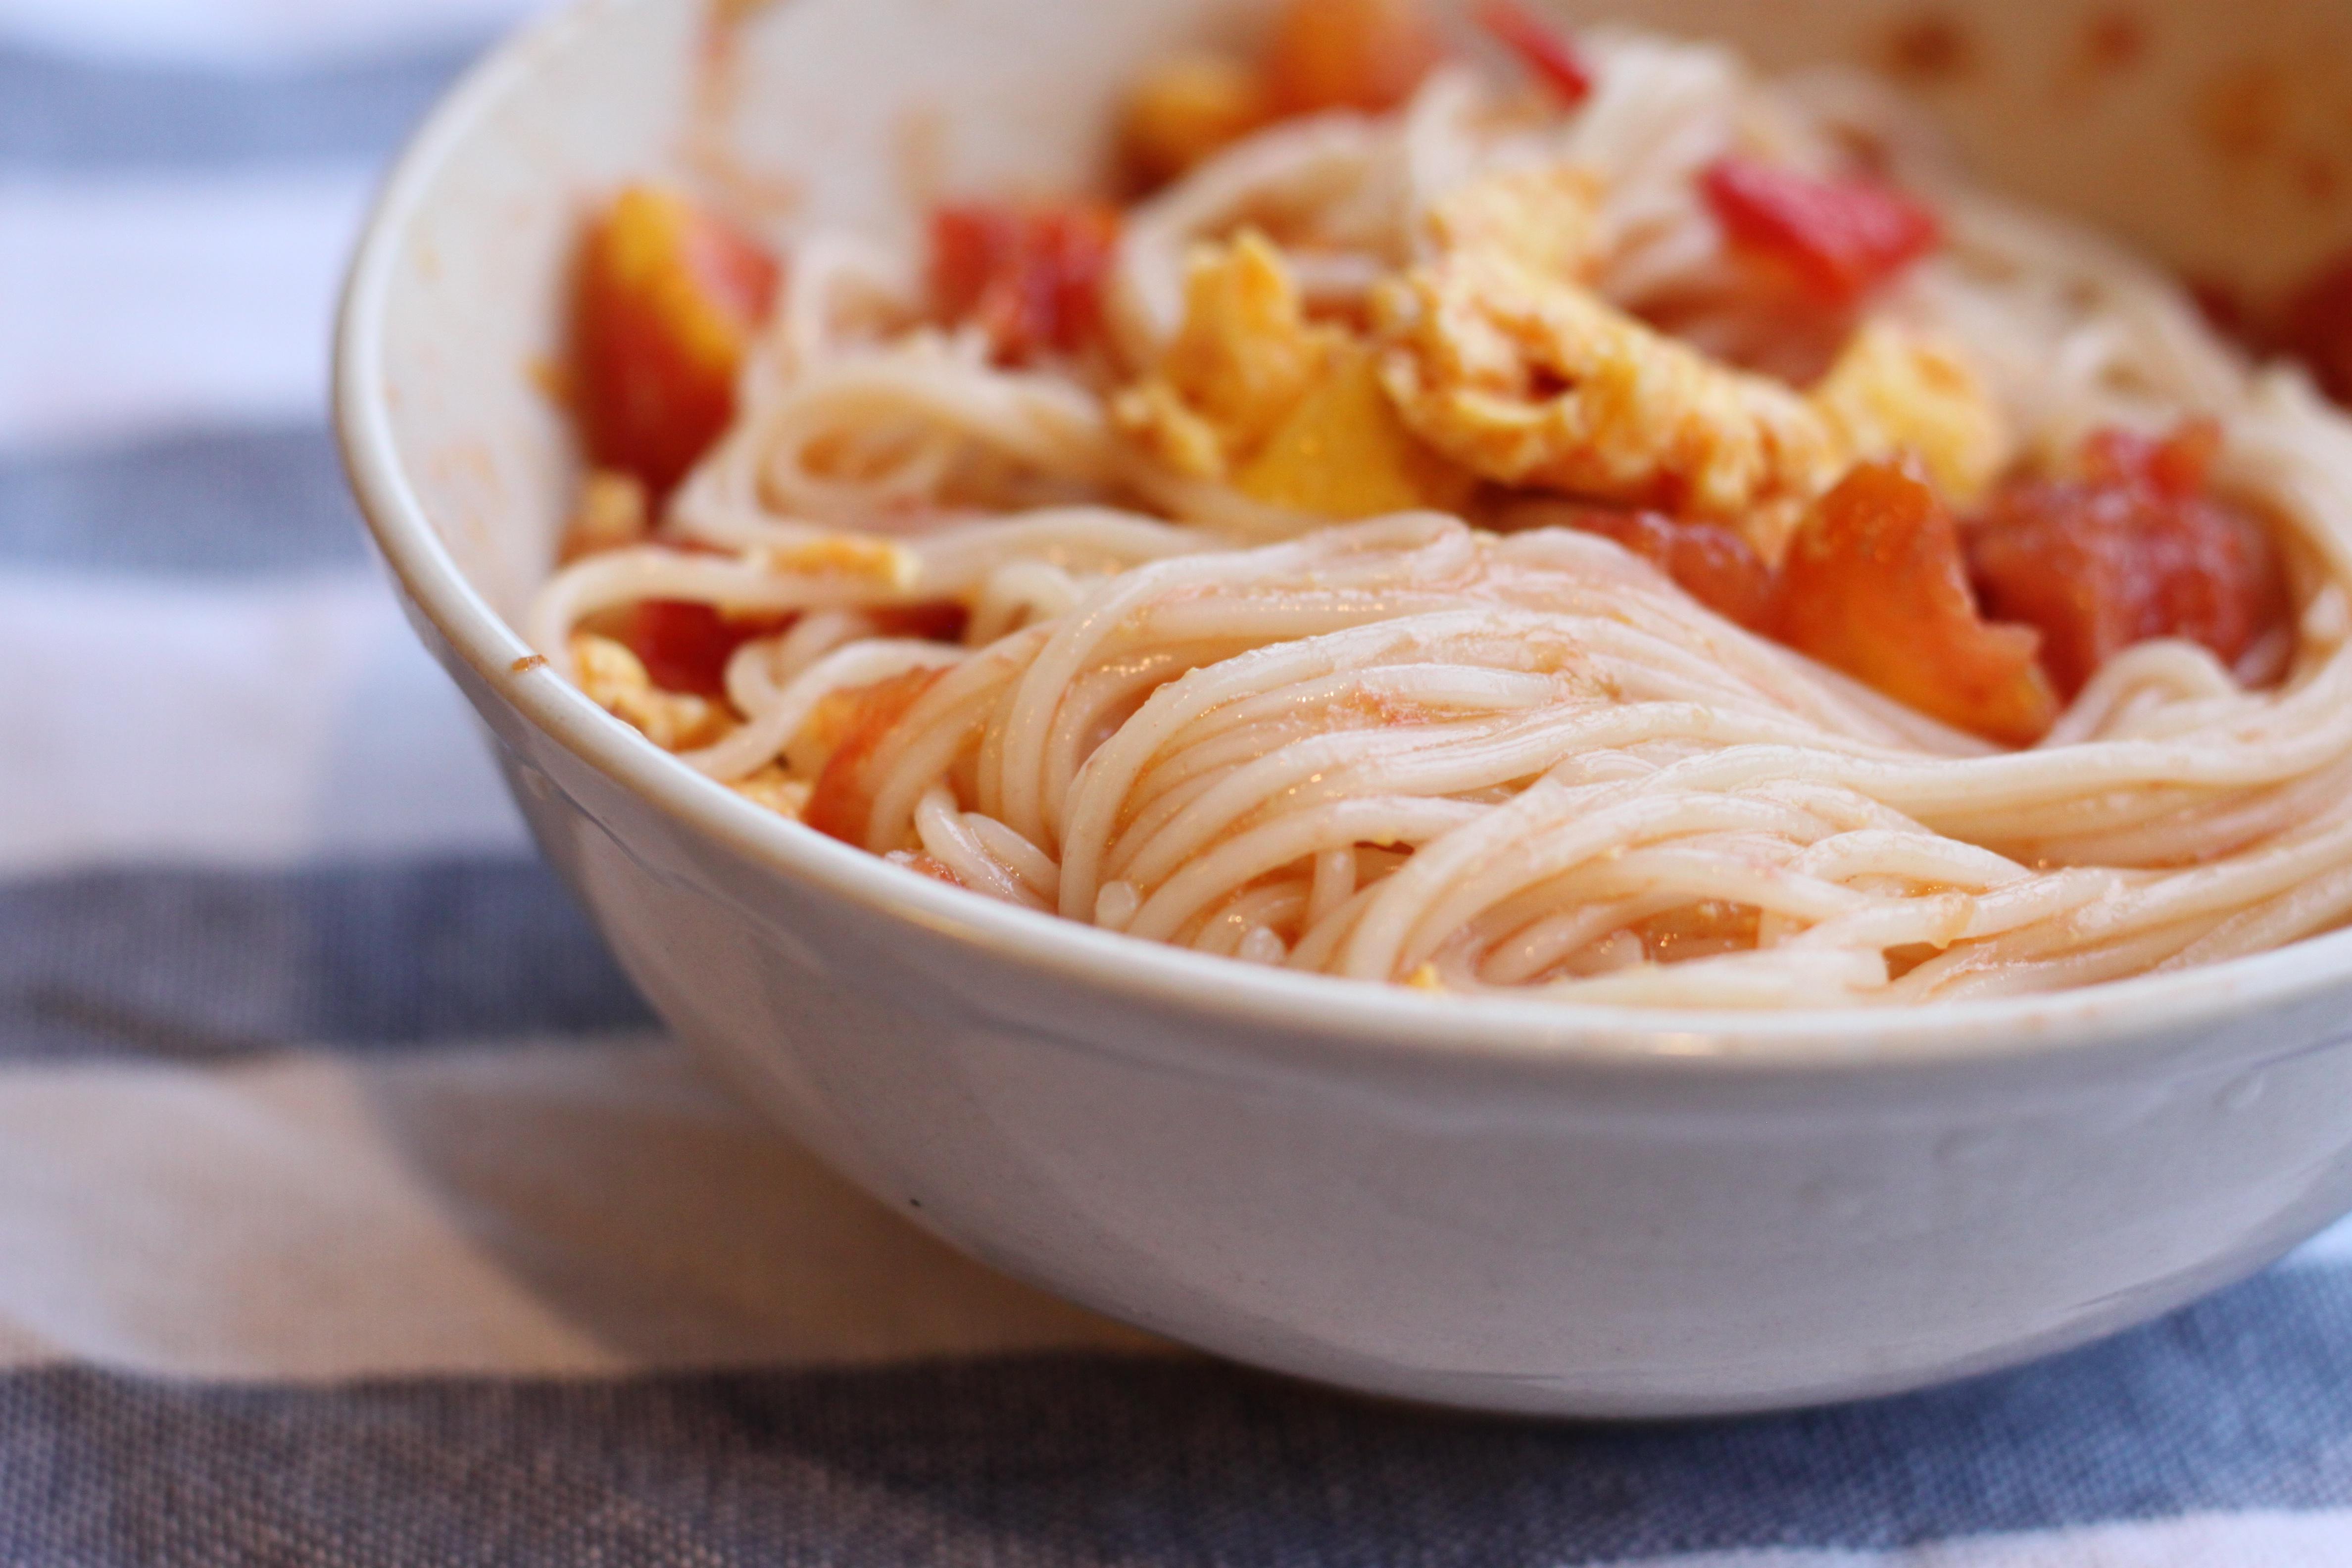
x=1030, y=276
x=1546, y=51
x=842, y=805
x=665, y=302
x=1712, y=564
x=685, y=645
x=1365, y=55
x=2135, y=548
x=1841, y=238
x=1873, y=585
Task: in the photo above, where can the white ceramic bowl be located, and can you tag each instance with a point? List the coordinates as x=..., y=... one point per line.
x=1510, y=1206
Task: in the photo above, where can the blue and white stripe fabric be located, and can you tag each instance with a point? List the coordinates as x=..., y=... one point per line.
x=353, y=1210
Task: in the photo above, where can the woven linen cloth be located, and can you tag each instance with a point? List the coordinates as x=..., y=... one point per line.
x=354, y=1211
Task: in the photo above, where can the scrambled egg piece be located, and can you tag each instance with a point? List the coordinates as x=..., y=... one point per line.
x=614, y=679
x=1343, y=452
x=1289, y=411
x=1530, y=380
x=1156, y=415
x=1495, y=359
x=776, y=790
x=1546, y=218
x=1245, y=357
x=1500, y=357
x=1894, y=391
x=856, y=556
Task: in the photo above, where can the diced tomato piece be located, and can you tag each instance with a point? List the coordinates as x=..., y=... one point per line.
x=2135, y=549
x=666, y=299
x=1841, y=238
x=1710, y=563
x=2318, y=327
x=685, y=645
x=1873, y=585
x=1546, y=51
x=1367, y=55
x=842, y=805
x=2177, y=465
x=1030, y=276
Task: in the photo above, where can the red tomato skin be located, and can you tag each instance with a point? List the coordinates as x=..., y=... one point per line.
x=1842, y=238
x=666, y=298
x=685, y=645
x=1547, y=53
x=1031, y=277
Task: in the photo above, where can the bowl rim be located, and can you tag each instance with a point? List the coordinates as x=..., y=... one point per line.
x=1392, y=1020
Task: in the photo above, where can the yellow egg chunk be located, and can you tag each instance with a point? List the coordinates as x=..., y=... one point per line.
x=1247, y=352
x=1245, y=357
x=1534, y=382
x=1344, y=453
x=1893, y=391
x=616, y=679
x=1290, y=411
x=1546, y=217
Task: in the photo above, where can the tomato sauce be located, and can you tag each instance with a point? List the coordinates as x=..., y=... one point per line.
x=842, y=805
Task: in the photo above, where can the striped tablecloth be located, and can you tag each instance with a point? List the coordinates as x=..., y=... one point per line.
x=353, y=1210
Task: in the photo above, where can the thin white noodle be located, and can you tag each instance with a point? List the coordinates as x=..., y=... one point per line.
x=1404, y=748
x=753, y=746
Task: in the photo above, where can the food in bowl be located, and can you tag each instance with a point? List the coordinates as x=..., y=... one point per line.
x=1487, y=1200
x=1550, y=513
